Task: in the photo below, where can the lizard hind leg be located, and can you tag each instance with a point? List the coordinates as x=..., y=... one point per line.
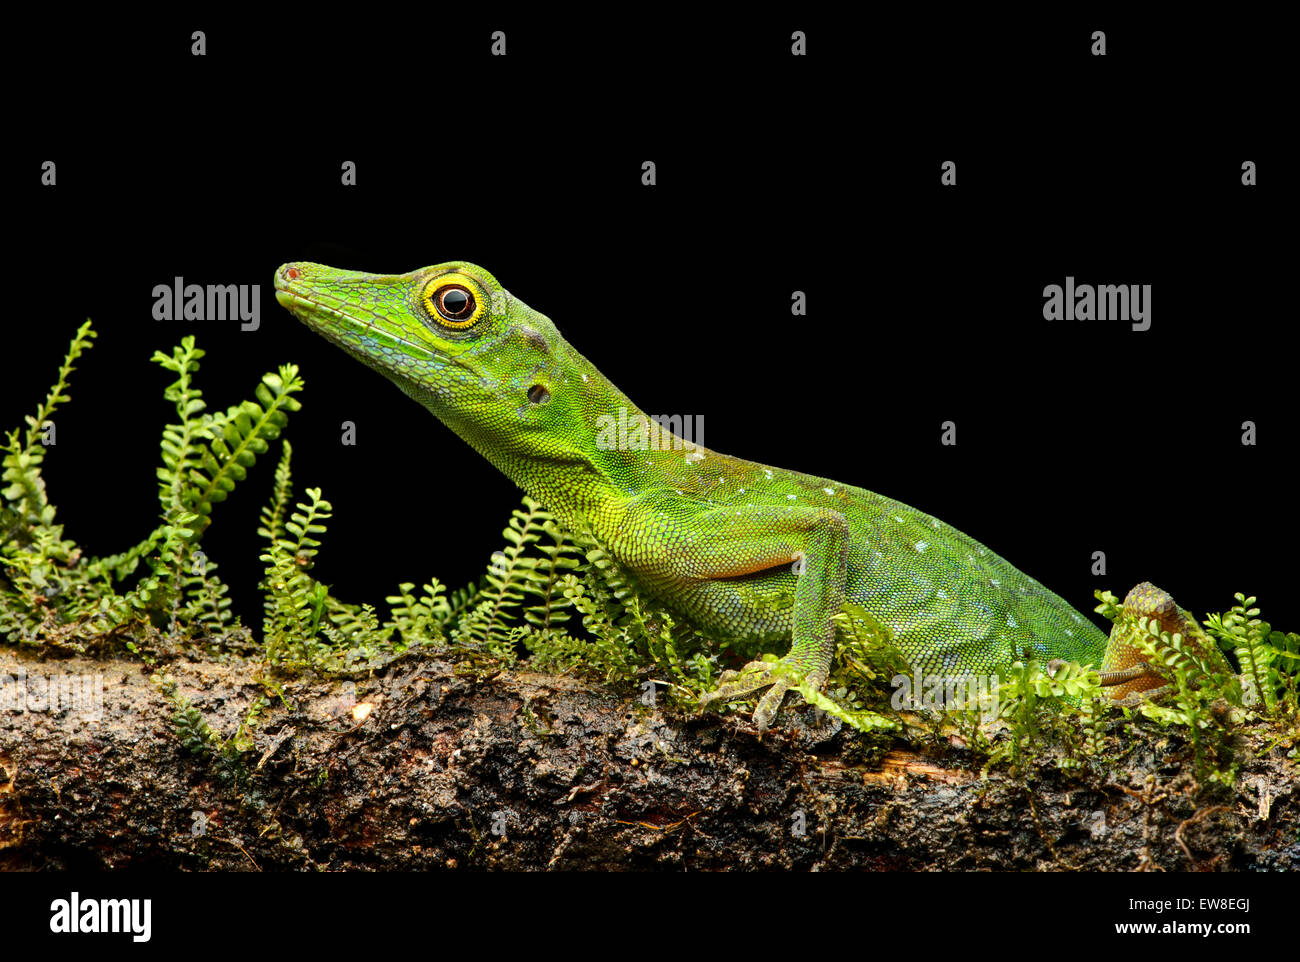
x=816, y=541
x=1125, y=669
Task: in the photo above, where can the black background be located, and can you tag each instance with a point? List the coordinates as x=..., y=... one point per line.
x=775, y=174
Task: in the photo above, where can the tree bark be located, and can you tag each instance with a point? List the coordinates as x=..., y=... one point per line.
x=418, y=767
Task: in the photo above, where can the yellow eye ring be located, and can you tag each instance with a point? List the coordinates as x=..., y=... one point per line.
x=450, y=300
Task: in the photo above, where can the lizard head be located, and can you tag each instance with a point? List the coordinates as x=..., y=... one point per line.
x=450, y=336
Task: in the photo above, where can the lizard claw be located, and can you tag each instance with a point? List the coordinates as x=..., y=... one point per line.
x=776, y=676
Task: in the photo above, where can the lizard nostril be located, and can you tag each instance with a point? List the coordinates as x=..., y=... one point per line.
x=538, y=394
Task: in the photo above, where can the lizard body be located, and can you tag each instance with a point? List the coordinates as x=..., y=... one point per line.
x=741, y=549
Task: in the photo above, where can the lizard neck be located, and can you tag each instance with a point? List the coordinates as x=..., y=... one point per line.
x=572, y=458
x=589, y=456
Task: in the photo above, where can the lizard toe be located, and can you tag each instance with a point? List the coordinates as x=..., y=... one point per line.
x=778, y=677
x=737, y=684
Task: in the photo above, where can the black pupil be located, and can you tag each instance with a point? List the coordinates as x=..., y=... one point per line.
x=455, y=302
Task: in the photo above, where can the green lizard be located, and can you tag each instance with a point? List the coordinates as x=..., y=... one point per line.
x=738, y=548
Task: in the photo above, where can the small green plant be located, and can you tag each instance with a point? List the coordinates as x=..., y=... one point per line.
x=1030, y=703
x=196, y=736
x=200, y=739
x=1270, y=662
x=533, y=562
x=1195, y=688
x=296, y=599
x=52, y=594
x=307, y=627
x=33, y=552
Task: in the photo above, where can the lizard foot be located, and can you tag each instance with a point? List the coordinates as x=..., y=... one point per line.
x=777, y=677
x=1125, y=670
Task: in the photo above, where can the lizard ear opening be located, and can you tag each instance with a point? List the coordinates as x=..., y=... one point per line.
x=538, y=394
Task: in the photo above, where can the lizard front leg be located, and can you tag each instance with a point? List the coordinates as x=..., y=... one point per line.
x=813, y=543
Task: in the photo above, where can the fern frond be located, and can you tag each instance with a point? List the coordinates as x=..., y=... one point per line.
x=419, y=621
x=181, y=443
x=488, y=623
x=272, y=516
x=207, y=604
x=460, y=602
x=25, y=491
x=241, y=434
x=1241, y=631
x=542, y=575
x=297, y=600
x=35, y=558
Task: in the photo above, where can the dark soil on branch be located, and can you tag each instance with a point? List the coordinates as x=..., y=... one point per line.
x=419, y=767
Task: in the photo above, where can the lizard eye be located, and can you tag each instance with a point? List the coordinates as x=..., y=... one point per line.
x=452, y=304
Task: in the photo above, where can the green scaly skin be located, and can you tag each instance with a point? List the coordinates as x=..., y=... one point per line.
x=740, y=549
